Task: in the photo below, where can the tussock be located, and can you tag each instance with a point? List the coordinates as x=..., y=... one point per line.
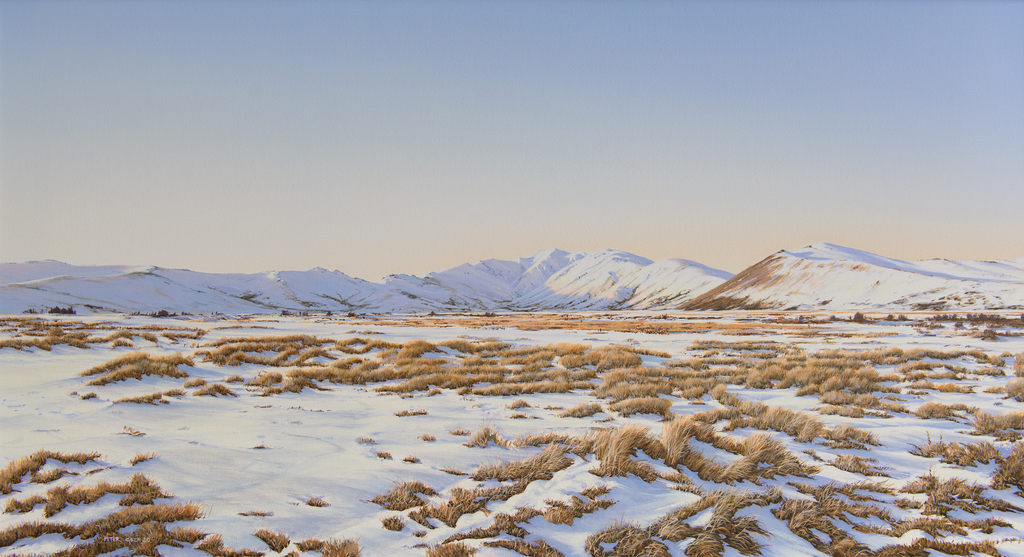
x=214, y=390
x=722, y=529
x=538, y=548
x=152, y=398
x=141, y=458
x=457, y=549
x=135, y=366
x=581, y=410
x=616, y=447
x=13, y=473
x=274, y=540
x=485, y=436
x=953, y=494
x=539, y=467
x=503, y=522
x=997, y=425
x=651, y=405
x=968, y=454
x=317, y=502
x=331, y=547
x=1011, y=471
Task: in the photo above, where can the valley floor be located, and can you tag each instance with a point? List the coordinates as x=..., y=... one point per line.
x=643, y=433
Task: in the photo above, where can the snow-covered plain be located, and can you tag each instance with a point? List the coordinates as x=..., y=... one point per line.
x=316, y=443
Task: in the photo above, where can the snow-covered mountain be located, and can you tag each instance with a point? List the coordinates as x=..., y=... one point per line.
x=827, y=276
x=549, y=280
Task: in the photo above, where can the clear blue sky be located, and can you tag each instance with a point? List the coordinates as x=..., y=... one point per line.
x=381, y=137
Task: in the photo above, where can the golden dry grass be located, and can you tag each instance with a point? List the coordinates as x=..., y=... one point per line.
x=214, y=390
x=456, y=549
x=13, y=473
x=274, y=540
x=1011, y=471
x=967, y=454
x=485, y=436
x=152, y=398
x=582, y=410
x=135, y=366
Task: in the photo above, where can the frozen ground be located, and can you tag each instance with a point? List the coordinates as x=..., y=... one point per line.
x=254, y=461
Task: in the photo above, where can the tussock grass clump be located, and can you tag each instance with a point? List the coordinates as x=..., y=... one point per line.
x=604, y=358
x=458, y=431
x=953, y=494
x=152, y=398
x=195, y=382
x=538, y=548
x=214, y=390
x=967, y=454
x=616, y=447
x=290, y=350
x=1015, y=389
x=383, y=455
x=466, y=501
x=274, y=540
x=540, y=467
x=647, y=405
x=999, y=424
x=502, y=523
x=411, y=459
x=517, y=404
x=456, y=549
x=135, y=366
x=722, y=529
x=235, y=379
x=404, y=413
x=858, y=465
x=561, y=512
x=89, y=396
x=393, y=523
x=364, y=345
x=804, y=427
x=1011, y=471
x=581, y=410
x=317, y=502
x=754, y=451
x=331, y=547
x=256, y=513
x=485, y=436
x=150, y=520
x=13, y=473
x=142, y=457
x=427, y=437
x=265, y=379
x=939, y=410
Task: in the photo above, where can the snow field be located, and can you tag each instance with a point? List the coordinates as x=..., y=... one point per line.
x=315, y=437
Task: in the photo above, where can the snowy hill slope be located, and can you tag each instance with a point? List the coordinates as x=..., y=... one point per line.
x=550, y=279
x=827, y=276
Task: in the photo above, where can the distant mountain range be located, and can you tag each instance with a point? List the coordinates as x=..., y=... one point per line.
x=822, y=276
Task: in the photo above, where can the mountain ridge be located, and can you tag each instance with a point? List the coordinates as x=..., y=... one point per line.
x=820, y=276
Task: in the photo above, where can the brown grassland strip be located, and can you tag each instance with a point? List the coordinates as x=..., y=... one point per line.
x=135, y=366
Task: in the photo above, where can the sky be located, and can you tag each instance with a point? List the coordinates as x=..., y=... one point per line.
x=408, y=137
